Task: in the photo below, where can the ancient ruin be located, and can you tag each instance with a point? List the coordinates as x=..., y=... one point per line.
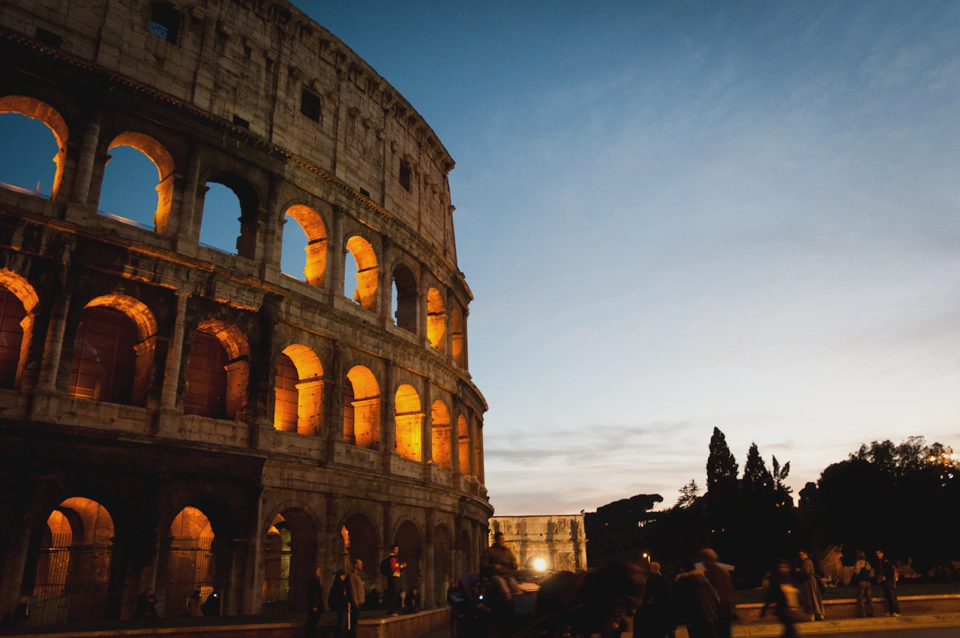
x=178, y=418
x=559, y=541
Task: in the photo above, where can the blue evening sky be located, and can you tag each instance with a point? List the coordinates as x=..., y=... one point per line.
x=675, y=216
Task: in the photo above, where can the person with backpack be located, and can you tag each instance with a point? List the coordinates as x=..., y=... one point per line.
x=391, y=567
x=697, y=602
x=887, y=578
x=862, y=573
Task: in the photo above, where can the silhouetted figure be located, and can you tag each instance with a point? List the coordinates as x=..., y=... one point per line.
x=887, y=578
x=413, y=601
x=784, y=596
x=810, y=599
x=146, y=606
x=696, y=602
x=721, y=580
x=314, y=604
x=338, y=602
x=211, y=606
x=654, y=617
x=862, y=573
x=194, y=605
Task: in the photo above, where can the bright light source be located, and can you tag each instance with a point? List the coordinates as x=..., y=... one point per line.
x=540, y=565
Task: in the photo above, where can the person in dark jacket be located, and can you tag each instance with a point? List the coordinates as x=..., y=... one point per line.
x=146, y=605
x=314, y=604
x=784, y=596
x=338, y=601
x=654, y=617
x=723, y=583
x=887, y=579
x=696, y=602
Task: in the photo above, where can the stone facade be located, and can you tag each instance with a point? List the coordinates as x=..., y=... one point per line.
x=560, y=540
x=246, y=416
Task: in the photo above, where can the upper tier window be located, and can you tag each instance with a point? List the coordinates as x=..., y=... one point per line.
x=310, y=104
x=405, y=175
x=165, y=22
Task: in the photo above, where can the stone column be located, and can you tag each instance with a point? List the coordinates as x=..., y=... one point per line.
x=388, y=418
x=333, y=387
x=422, y=318
x=88, y=154
x=463, y=326
x=449, y=301
x=187, y=239
x=171, y=370
x=336, y=257
x=53, y=344
x=429, y=561
x=386, y=282
x=455, y=444
x=252, y=594
x=388, y=536
x=426, y=432
x=15, y=564
x=270, y=268
x=479, y=447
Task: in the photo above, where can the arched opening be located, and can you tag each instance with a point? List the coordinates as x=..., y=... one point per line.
x=217, y=372
x=73, y=571
x=411, y=553
x=441, y=434
x=436, y=320
x=361, y=408
x=456, y=335
x=409, y=423
x=463, y=436
x=127, y=175
x=299, y=391
x=17, y=301
x=312, y=239
x=114, y=351
x=466, y=554
x=364, y=546
x=442, y=564
x=191, y=564
x=405, y=298
x=229, y=210
x=367, y=272
x=20, y=137
x=289, y=554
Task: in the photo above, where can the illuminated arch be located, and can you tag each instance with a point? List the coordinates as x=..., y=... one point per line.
x=409, y=423
x=441, y=434
x=361, y=408
x=191, y=562
x=17, y=302
x=463, y=438
x=217, y=371
x=311, y=222
x=249, y=202
x=299, y=391
x=436, y=320
x=364, y=543
x=406, y=299
x=37, y=110
x=368, y=272
x=289, y=556
x=456, y=335
x=162, y=159
x=409, y=538
x=114, y=351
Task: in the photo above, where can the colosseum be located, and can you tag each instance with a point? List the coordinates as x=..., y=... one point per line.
x=177, y=417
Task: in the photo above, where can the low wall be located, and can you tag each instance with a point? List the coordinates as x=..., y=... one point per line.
x=408, y=626
x=847, y=607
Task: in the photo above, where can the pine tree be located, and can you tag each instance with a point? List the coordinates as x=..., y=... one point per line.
x=758, y=483
x=689, y=494
x=722, y=468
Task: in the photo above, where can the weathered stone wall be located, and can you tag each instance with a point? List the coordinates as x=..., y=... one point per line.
x=560, y=540
x=109, y=81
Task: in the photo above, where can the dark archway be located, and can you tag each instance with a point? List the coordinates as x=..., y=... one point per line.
x=289, y=554
x=408, y=538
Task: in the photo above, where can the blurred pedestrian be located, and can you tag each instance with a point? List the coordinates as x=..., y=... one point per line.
x=696, y=602
x=810, y=599
x=887, y=578
x=654, y=617
x=783, y=595
x=862, y=573
x=721, y=580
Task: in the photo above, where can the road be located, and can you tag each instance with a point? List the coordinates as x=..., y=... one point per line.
x=926, y=632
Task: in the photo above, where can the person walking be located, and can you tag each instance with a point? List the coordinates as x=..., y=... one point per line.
x=337, y=601
x=697, y=602
x=355, y=597
x=722, y=581
x=391, y=567
x=887, y=578
x=783, y=595
x=862, y=572
x=314, y=604
x=654, y=617
x=810, y=599
x=499, y=564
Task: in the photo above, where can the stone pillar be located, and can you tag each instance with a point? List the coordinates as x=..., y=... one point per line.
x=252, y=594
x=422, y=317
x=463, y=320
x=449, y=301
x=336, y=257
x=429, y=561
x=15, y=563
x=171, y=370
x=388, y=418
x=88, y=154
x=272, y=252
x=53, y=344
x=388, y=535
x=333, y=422
x=426, y=432
x=455, y=444
x=187, y=239
x=479, y=447
x=386, y=282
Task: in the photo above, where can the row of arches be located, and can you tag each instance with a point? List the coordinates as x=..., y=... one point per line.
x=71, y=573
x=114, y=359
x=303, y=245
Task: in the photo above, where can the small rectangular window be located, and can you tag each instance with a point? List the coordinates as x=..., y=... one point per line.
x=165, y=22
x=405, y=175
x=49, y=38
x=365, y=192
x=239, y=121
x=310, y=104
